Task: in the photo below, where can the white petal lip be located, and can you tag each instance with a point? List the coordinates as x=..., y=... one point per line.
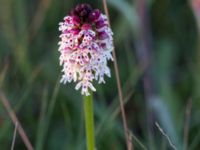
x=78, y=86
x=91, y=87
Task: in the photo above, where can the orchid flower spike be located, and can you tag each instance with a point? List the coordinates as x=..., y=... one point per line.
x=85, y=46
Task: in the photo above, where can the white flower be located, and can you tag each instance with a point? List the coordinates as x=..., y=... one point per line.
x=85, y=47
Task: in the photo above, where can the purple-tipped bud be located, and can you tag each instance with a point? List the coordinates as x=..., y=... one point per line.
x=83, y=13
x=86, y=7
x=103, y=35
x=78, y=8
x=100, y=24
x=82, y=10
x=94, y=15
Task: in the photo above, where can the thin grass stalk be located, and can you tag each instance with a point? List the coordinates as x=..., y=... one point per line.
x=89, y=121
x=14, y=136
x=26, y=90
x=166, y=136
x=14, y=119
x=119, y=88
x=139, y=142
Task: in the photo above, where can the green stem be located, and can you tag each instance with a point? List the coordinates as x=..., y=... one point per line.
x=89, y=121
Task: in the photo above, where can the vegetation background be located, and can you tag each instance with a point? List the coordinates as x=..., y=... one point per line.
x=158, y=53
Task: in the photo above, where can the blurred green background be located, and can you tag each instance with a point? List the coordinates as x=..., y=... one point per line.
x=158, y=52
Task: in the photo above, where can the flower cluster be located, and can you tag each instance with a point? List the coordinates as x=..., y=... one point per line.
x=85, y=46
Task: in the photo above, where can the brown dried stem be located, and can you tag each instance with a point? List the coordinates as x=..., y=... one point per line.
x=126, y=130
x=14, y=119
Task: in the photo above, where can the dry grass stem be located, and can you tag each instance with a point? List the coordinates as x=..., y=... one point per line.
x=165, y=135
x=138, y=141
x=14, y=119
x=128, y=143
x=14, y=136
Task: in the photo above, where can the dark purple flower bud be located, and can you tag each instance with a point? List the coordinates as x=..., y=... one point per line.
x=103, y=35
x=100, y=24
x=94, y=15
x=82, y=10
x=83, y=13
x=103, y=45
x=86, y=7
x=78, y=8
